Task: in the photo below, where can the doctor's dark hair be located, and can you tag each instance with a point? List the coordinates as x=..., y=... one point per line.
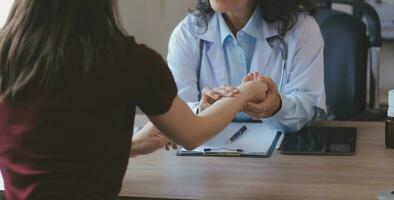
x=37, y=33
x=282, y=11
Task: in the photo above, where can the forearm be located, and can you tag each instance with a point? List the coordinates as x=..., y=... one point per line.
x=189, y=130
x=215, y=118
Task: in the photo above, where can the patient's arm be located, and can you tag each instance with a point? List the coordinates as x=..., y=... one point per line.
x=189, y=130
x=210, y=96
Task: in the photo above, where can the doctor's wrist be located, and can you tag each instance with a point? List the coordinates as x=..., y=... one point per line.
x=279, y=106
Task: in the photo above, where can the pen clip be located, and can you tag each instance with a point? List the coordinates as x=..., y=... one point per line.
x=209, y=150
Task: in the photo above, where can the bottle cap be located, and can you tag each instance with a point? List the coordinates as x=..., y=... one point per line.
x=391, y=98
x=390, y=112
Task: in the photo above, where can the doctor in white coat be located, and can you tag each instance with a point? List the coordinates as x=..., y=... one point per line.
x=222, y=41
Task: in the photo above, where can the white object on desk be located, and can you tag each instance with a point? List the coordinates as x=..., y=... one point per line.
x=389, y=195
x=1, y=182
x=258, y=140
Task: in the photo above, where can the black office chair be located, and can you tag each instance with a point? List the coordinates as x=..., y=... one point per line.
x=348, y=40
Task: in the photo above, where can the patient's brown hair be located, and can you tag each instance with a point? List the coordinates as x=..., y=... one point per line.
x=34, y=39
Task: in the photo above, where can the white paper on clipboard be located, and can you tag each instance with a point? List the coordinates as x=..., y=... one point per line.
x=257, y=141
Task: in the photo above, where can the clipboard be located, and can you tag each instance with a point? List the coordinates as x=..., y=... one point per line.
x=258, y=141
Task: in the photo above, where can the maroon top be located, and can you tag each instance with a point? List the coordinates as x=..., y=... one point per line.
x=74, y=142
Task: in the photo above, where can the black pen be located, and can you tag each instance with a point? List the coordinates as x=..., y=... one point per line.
x=237, y=134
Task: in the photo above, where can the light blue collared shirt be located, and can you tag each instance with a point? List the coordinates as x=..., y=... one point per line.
x=303, y=88
x=239, y=50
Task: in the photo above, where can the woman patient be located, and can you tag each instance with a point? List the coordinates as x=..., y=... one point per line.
x=70, y=80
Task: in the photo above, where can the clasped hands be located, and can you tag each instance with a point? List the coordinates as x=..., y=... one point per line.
x=265, y=108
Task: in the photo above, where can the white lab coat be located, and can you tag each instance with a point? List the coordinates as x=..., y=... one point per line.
x=303, y=90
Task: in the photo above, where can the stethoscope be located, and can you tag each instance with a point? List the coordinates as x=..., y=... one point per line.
x=278, y=43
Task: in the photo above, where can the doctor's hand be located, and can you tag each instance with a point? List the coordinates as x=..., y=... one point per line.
x=148, y=140
x=267, y=107
x=210, y=96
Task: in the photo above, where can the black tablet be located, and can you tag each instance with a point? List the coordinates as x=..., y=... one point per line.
x=320, y=141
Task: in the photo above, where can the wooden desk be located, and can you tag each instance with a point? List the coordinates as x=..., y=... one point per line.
x=164, y=175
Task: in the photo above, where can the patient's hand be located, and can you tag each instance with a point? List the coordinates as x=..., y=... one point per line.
x=210, y=96
x=148, y=140
x=256, y=88
x=267, y=107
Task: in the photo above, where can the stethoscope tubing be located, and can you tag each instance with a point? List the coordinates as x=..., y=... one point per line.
x=284, y=54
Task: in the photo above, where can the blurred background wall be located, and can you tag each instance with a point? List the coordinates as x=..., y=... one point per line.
x=151, y=22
